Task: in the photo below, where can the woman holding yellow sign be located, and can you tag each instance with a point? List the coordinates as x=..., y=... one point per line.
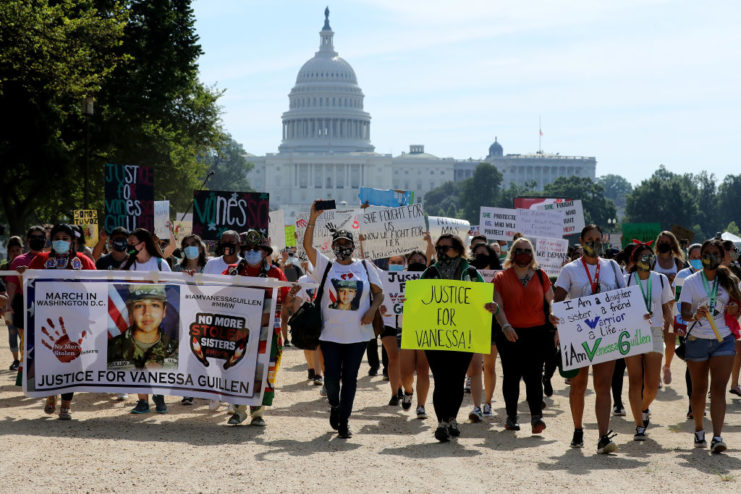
x=709, y=298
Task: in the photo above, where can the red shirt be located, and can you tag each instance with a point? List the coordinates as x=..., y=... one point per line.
x=21, y=260
x=523, y=305
x=254, y=271
x=39, y=262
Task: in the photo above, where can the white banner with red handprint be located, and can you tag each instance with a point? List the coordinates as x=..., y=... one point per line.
x=163, y=333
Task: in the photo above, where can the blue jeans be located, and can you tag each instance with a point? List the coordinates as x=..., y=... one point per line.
x=342, y=362
x=13, y=338
x=702, y=349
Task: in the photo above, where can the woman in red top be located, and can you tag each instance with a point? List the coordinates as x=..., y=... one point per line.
x=62, y=256
x=521, y=291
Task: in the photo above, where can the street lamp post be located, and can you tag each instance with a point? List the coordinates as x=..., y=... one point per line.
x=88, y=109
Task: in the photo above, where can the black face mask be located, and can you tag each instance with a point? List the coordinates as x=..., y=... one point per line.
x=131, y=249
x=37, y=243
x=663, y=247
x=228, y=249
x=480, y=261
x=416, y=266
x=711, y=261
x=120, y=245
x=442, y=254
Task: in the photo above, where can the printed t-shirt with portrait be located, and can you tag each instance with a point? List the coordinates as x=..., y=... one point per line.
x=695, y=294
x=661, y=293
x=573, y=277
x=345, y=300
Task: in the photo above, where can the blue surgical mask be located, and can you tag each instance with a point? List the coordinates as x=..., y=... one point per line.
x=696, y=264
x=60, y=246
x=191, y=252
x=253, y=257
x=396, y=267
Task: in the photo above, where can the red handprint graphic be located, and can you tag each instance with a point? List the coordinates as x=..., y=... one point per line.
x=64, y=349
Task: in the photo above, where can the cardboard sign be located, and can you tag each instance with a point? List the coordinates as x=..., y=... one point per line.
x=602, y=327
x=640, y=231
x=162, y=222
x=331, y=219
x=391, y=231
x=394, y=285
x=277, y=230
x=447, y=315
x=683, y=233
x=129, y=197
x=551, y=254
x=540, y=223
x=88, y=220
x=573, y=221
x=498, y=223
x=217, y=211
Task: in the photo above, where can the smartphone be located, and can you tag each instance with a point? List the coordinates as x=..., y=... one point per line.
x=322, y=205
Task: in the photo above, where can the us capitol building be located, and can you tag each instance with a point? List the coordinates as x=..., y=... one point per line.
x=326, y=151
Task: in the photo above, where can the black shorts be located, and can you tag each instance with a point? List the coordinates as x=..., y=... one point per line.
x=388, y=331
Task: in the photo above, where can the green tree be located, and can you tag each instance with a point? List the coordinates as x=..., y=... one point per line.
x=616, y=188
x=729, y=199
x=230, y=166
x=482, y=189
x=443, y=200
x=708, y=216
x=733, y=228
x=597, y=208
x=507, y=196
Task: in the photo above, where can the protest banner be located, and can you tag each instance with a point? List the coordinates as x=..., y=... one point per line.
x=640, y=231
x=162, y=221
x=475, y=230
x=329, y=220
x=498, y=223
x=539, y=223
x=81, y=334
x=447, y=315
x=551, y=254
x=277, y=230
x=129, y=197
x=183, y=227
x=88, y=220
x=385, y=197
x=391, y=231
x=488, y=274
x=217, y=211
x=573, y=220
x=394, y=284
x=290, y=235
x=602, y=327
x=683, y=233
x=438, y=225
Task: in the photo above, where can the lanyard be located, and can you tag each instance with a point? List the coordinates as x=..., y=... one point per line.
x=646, y=294
x=712, y=295
x=595, y=283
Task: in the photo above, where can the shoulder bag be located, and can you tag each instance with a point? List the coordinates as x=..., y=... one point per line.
x=306, y=323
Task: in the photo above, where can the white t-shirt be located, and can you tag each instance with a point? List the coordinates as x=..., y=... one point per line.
x=150, y=265
x=217, y=265
x=672, y=271
x=308, y=288
x=677, y=285
x=342, y=315
x=661, y=293
x=693, y=292
x=573, y=277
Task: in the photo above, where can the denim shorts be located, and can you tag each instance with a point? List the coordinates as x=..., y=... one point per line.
x=701, y=349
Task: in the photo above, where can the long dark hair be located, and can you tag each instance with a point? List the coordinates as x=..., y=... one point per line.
x=150, y=245
x=201, y=250
x=635, y=253
x=726, y=278
x=493, y=257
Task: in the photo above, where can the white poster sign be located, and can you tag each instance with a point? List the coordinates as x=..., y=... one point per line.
x=498, y=223
x=277, y=230
x=573, y=220
x=551, y=253
x=331, y=219
x=540, y=223
x=391, y=231
x=394, y=283
x=162, y=219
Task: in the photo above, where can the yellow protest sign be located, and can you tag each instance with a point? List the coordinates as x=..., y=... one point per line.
x=290, y=236
x=88, y=220
x=447, y=315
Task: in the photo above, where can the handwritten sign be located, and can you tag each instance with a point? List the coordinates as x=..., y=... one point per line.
x=162, y=219
x=290, y=235
x=447, y=315
x=573, y=219
x=498, y=223
x=88, y=220
x=602, y=327
x=439, y=225
x=550, y=254
x=331, y=219
x=391, y=231
x=488, y=274
x=183, y=227
x=394, y=284
x=217, y=211
x=129, y=197
x=277, y=230
x=540, y=223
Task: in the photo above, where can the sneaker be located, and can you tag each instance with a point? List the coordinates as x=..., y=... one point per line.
x=142, y=406
x=467, y=386
x=717, y=445
x=122, y=397
x=406, y=401
x=343, y=431
x=667, y=375
x=237, y=418
x=213, y=404
x=421, y=413
x=14, y=365
x=577, y=441
x=65, y=415
x=736, y=390
x=373, y=371
x=258, y=422
x=605, y=444
x=476, y=415
x=511, y=424
x=700, y=441
x=318, y=380
x=286, y=343
x=453, y=429
x=537, y=424
x=323, y=391
x=159, y=403
x=645, y=415
x=187, y=400
x=618, y=410
x=334, y=417
x=312, y=373
x=394, y=401
x=640, y=434
x=487, y=410
x=547, y=386
x=441, y=433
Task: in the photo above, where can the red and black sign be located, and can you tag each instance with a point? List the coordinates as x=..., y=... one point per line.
x=219, y=336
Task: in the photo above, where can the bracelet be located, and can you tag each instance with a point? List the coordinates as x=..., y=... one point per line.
x=498, y=309
x=508, y=325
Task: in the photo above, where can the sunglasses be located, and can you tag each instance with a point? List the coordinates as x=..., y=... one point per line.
x=523, y=251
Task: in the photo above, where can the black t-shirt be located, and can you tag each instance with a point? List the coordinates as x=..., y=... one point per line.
x=107, y=262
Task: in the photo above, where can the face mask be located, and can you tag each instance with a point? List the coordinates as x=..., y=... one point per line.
x=132, y=249
x=416, y=266
x=696, y=264
x=342, y=253
x=480, y=261
x=396, y=267
x=191, y=251
x=253, y=257
x=646, y=263
x=442, y=254
x=229, y=249
x=60, y=246
x=37, y=243
x=710, y=261
x=592, y=249
x=663, y=247
x=119, y=245
x=523, y=259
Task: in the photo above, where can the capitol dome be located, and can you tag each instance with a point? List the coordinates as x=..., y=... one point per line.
x=495, y=150
x=326, y=105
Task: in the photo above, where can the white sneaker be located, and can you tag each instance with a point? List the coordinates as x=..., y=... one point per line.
x=122, y=397
x=213, y=404
x=476, y=415
x=421, y=413
x=487, y=410
x=467, y=386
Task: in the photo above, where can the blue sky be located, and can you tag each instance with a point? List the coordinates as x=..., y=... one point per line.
x=633, y=83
